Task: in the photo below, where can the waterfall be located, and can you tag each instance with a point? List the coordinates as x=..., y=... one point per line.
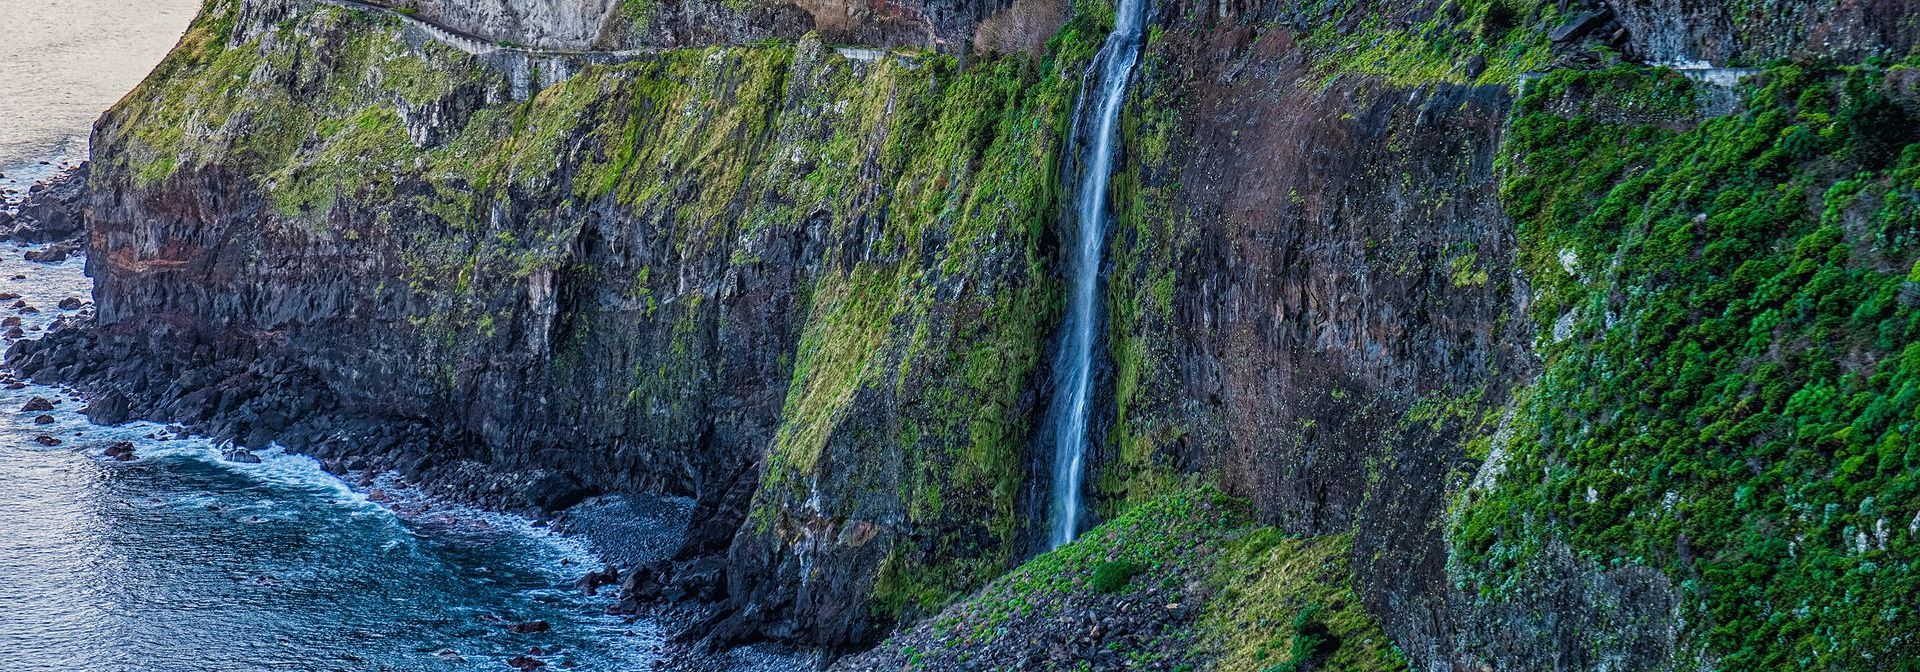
x=1073, y=370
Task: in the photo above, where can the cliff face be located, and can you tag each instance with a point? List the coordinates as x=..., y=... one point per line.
x=1319, y=305
x=1446, y=291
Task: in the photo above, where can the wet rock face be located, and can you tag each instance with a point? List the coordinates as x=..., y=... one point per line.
x=1329, y=311
x=1750, y=33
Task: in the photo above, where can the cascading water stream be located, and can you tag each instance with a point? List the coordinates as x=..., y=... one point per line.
x=1073, y=370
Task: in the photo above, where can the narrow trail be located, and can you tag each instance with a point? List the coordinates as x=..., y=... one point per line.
x=477, y=45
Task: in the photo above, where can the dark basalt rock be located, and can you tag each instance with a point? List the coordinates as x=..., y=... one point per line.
x=524, y=663
x=1745, y=34
x=240, y=455
x=554, y=491
x=109, y=408
x=1579, y=26
x=54, y=210
x=529, y=627
x=46, y=440
x=54, y=253
x=593, y=581
x=1310, y=301
x=121, y=451
x=37, y=404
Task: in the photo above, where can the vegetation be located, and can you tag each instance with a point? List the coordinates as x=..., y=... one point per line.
x=1284, y=602
x=1260, y=599
x=1140, y=292
x=971, y=155
x=1111, y=577
x=1732, y=357
x=1505, y=38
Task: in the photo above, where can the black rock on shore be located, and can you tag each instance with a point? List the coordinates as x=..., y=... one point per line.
x=53, y=211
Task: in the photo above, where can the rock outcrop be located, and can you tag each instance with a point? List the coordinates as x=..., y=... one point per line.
x=1752, y=33
x=52, y=211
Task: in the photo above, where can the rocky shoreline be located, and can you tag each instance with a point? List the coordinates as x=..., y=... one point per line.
x=394, y=462
x=51, y=211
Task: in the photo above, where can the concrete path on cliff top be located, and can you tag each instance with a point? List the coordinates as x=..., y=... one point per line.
x=476, y=45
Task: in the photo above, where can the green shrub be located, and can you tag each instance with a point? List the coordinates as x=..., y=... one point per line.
x=1876, y=128
x=1313, y=641
x=1111, y=577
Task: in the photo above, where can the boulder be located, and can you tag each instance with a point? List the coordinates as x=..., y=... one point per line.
x=554, y=491
x=53, y=254
x=240, y=455
x=591, y=583
x=529, y=627
x=121, y=451
x=54, y=210
x=111, y=408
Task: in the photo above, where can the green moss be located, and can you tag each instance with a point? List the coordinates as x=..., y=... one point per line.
x=359, y=157
x=942, y=321
x=254, y=106
x=1111, y=577
x=1140, y=297
x=839, y=353
x=1508, y=37
x=638, y=13
x=1285, y=601
x=1731, y=375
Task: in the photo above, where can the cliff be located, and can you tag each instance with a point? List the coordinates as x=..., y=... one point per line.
x=1503, y=349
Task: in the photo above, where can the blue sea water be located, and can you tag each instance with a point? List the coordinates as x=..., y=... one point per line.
x=182, y=561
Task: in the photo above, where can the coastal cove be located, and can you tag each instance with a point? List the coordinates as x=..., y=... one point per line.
x=191, y=555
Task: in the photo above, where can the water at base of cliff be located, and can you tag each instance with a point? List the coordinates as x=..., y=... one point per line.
x=181, y=560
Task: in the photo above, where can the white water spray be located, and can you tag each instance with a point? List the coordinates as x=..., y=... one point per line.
x=1073, y=370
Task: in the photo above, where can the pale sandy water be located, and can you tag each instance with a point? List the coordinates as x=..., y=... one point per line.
x=63, y=62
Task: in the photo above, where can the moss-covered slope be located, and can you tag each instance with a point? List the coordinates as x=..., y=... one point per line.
x=1729, y=311
x=1185, y=581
